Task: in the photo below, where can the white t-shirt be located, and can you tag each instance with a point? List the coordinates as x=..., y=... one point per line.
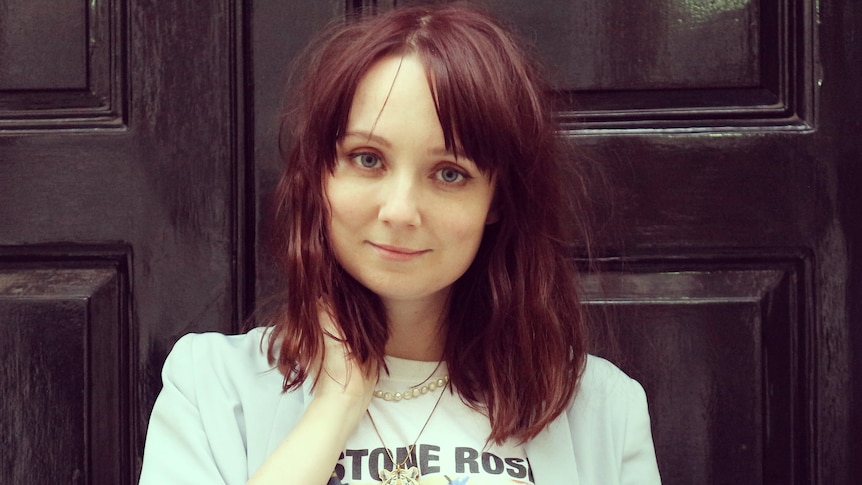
x=451, y=449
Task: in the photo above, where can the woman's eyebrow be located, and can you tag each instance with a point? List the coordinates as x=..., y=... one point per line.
x=440, y=151
x=436, y=152
x=367, y=135
x=443, y=152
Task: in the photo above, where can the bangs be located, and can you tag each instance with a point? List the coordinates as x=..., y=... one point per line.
x=465, y=133
x=483, y=107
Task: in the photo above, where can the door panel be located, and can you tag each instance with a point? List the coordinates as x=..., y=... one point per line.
x=62, y=65
x=65, y=328
x=721, y=344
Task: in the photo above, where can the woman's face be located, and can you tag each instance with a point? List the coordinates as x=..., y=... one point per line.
x=406, y=216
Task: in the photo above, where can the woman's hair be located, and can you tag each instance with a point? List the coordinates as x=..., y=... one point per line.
x=515, y=334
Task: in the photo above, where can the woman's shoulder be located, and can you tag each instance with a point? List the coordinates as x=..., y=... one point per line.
x=220, y=409
x=243, y=349
x=608, y=427
x=603, y=378
x=234, y=362
x=605, y=391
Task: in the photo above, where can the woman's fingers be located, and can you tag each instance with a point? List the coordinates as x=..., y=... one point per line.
x=341, y=372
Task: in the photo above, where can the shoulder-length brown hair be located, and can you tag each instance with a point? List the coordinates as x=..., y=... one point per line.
x=515, y=339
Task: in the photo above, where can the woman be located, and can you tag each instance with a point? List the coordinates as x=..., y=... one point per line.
x=432, y=332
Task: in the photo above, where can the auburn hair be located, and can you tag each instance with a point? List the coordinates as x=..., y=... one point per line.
x=515, y=333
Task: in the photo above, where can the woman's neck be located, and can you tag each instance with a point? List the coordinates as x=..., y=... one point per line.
x=416, y=328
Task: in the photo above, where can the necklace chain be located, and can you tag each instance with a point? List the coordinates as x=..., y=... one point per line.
x=398, y=468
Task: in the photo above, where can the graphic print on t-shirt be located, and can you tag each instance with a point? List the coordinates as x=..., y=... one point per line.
x=464, y=465
x=451, y=438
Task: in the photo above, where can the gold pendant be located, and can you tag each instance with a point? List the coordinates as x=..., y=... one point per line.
x=400, y=476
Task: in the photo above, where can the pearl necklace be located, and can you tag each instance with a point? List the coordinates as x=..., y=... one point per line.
x=414, y=391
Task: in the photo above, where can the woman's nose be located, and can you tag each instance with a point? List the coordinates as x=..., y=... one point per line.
x=399, y=203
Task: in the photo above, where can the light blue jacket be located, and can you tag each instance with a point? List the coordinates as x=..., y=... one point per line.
x=222, y=411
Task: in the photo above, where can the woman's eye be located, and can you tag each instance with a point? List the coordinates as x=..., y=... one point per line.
x=366, y=160
x=450, y=175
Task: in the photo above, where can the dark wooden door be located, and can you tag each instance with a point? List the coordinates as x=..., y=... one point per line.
x=137, y=151
x=121, y=198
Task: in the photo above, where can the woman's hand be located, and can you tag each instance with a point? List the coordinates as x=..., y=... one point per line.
x=341, y=376
x=343, y=392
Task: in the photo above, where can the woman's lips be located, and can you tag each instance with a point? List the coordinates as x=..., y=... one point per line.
x=395, y=253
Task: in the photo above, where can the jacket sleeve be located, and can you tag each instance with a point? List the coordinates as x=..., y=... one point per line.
x=639, y=464
x=177, y=449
